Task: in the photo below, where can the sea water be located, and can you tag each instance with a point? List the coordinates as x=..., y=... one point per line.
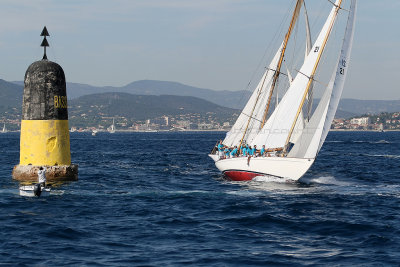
x=156, y=199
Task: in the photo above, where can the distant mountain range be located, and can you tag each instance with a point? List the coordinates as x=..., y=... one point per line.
x=230, y=99
x=142, y=107
x=11, y=96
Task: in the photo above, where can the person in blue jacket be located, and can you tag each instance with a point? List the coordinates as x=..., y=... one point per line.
x=227, y=152
x=262, y=151
x=244, y=151
x=250, y=151
x=220, y=149
x=234, y=152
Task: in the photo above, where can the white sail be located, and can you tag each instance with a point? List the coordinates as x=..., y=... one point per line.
x=341, y=71
x=254, y=107
x=111, y=129
x=276, y=130
x=308, y=49
x=290, y=78
x=306, y=145
x=298, y=128
x=308, y=32
x=316, y=131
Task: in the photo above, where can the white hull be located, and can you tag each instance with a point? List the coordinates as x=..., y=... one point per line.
x=284, y=167
x=27, y=191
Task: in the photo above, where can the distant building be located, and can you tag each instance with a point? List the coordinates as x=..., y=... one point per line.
x=205, y=126
x=364, y=121
x=183, y=124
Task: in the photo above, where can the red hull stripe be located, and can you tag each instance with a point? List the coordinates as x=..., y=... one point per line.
x=240, y=175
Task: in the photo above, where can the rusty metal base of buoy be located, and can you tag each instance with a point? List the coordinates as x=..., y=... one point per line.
x=53, y=173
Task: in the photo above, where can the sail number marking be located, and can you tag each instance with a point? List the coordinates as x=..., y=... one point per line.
x=60, y=101
x=343, y=64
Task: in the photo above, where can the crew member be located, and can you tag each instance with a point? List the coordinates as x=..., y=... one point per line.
x=42, y=176
x=234, y=152
x=244, y=151
x=262, y=151
x=220, y=149
x=227, y=152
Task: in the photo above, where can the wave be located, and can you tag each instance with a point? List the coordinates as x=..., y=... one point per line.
x=360, y=141
x=324, y=180
x=372, y=142
x=383, y=155
x=381, y=142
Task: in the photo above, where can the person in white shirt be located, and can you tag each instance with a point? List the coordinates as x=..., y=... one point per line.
x=42, y=176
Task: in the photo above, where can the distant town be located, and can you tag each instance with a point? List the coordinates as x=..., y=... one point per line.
x=195, y=122
x=383, y=121
x=185, y=122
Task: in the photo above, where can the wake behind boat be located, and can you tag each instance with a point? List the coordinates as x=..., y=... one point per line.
x=285, y=141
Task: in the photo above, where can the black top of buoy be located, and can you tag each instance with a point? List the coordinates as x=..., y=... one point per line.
x=44, y=42
x=45, y=92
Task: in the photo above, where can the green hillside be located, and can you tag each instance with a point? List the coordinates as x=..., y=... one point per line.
x=92, y=109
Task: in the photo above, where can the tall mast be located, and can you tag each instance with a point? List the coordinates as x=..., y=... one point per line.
x=311, y=78
x=277, y=71
x=278, y=68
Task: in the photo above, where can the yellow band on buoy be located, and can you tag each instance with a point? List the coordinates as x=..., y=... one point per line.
x=45, y=142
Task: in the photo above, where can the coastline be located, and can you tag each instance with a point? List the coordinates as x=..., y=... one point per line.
x=215, y=130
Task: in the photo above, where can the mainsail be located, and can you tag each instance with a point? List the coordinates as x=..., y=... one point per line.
x=279, y=127
x=253, y=116
x=254, y=108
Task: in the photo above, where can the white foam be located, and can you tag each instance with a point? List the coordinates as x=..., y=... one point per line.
x=382, y=142
x=327, y=180
x=270, y=179
x=383, y=155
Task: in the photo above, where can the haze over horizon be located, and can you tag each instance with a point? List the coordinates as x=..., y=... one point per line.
x=212, y=44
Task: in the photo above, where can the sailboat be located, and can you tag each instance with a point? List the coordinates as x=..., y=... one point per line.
x=4, y=130
x=111, y=129
x=291, y=134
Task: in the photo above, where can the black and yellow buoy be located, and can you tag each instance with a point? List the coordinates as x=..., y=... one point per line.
x=44, y=126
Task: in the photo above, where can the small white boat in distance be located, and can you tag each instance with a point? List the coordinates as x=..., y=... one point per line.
x=29, y=191
x=4, y=129
x=111, y=129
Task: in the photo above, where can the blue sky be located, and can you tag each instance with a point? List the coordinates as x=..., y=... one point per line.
x=215, y=44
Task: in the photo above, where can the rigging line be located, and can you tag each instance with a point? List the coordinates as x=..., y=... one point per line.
x=312, y=78
x=251, y=117
x=276, y=70
x=338, y=6
x=279, y=29
x=269, y=46
x=319, y=12
x=254, y=107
